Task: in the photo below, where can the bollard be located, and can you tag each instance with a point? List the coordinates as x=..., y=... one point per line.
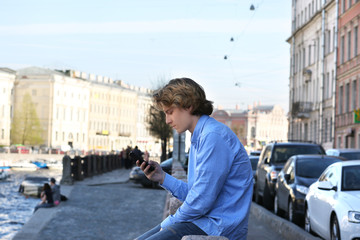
x=66, y=175
x=99, y=164
x=76, y=168
x=86, y=166
x=94, y=164
x=103, y=163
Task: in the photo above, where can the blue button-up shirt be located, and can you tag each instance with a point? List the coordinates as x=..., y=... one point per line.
x=218, y=194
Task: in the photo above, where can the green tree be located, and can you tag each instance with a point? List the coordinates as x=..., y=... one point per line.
x=25, y=127
x=158, y=128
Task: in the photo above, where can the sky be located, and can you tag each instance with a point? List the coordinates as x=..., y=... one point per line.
x=145, y=42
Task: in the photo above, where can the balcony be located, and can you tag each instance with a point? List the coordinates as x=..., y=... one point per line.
x=301, y=109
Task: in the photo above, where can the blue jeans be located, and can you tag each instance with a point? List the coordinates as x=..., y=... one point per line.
x=43, y=205
x=174, y=232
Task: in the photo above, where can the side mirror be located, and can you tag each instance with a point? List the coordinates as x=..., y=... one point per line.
x=287, y=177
x=326, y=185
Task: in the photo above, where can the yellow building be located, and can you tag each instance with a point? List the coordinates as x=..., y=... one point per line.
x=86, y=112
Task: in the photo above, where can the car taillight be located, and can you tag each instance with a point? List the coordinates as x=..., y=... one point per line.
x=273, y=175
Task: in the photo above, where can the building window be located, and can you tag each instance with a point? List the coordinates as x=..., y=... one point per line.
x=341, y=99
x=355, y=41
x=325, y=130
x=349, y=46
x=339, y=139
x=303, y=58
x=331, y=129
x=309, y=55
x=56, y=136
x=343, y=6
x=342, y=49
x=2, y=134
x=347, y=97
x=34, y=92
x=315, y=130
x=353, y=95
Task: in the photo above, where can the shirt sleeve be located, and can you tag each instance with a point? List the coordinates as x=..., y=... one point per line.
x=213, y=161
x=176, y=187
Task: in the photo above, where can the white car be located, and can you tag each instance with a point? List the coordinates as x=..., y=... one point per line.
x=332, y=205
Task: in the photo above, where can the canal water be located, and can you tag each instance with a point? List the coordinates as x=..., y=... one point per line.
x=15, y=208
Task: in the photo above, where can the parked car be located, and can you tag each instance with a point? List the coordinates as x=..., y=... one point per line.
x=332, y=208
x=348, y=153
x=137, y=175
x=19, y=149
x=293, y=181
x=33, y=185
x=254, y=161
x=271, y=161
x=255, y=153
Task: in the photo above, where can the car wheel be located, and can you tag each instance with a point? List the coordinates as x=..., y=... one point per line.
x=292, y=217
x=257, y=196
x=290, y=212
x=267, y=199
x=277, y=210
x=307, y=224
x=335, y=229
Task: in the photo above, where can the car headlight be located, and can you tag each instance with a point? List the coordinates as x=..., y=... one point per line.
x=302, y=189
x=354, y=216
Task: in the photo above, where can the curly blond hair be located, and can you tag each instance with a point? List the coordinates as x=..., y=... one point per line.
x=183, y=93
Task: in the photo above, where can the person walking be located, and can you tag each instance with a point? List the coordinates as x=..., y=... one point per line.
x=218, y=193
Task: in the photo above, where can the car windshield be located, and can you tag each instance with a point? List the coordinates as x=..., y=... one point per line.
x=254, y=162
x=351, y=178
x=351, y=155
x=283, y=153
x=312, y=168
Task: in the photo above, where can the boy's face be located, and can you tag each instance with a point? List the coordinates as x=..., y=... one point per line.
x=178, y=118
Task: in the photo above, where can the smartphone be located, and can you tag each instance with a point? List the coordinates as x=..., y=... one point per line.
x=134, y=157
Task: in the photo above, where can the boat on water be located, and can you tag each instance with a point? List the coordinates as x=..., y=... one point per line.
x=4, y=173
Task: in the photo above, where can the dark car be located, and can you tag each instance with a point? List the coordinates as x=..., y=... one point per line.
x=138, y=176
x=255, y=153
x=254, y=161
x=271, y=161
x=33, y=185
x=293, y=181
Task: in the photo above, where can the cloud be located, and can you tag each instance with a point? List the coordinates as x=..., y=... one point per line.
x=261, y=26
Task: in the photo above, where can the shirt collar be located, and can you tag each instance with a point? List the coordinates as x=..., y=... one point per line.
x=198, y=128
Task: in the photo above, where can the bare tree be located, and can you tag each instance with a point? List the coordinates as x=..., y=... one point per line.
x=158, y=128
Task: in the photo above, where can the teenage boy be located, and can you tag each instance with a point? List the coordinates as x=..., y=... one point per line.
x=218, y=193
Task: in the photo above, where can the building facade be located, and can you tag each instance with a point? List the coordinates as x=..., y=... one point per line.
x=62, y=105
x=82, y=111
x=347, y=121
x=313, y=71
x=256, y=126
x=7, y=79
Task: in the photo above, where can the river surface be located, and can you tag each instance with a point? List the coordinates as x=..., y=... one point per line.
x=15, y=208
